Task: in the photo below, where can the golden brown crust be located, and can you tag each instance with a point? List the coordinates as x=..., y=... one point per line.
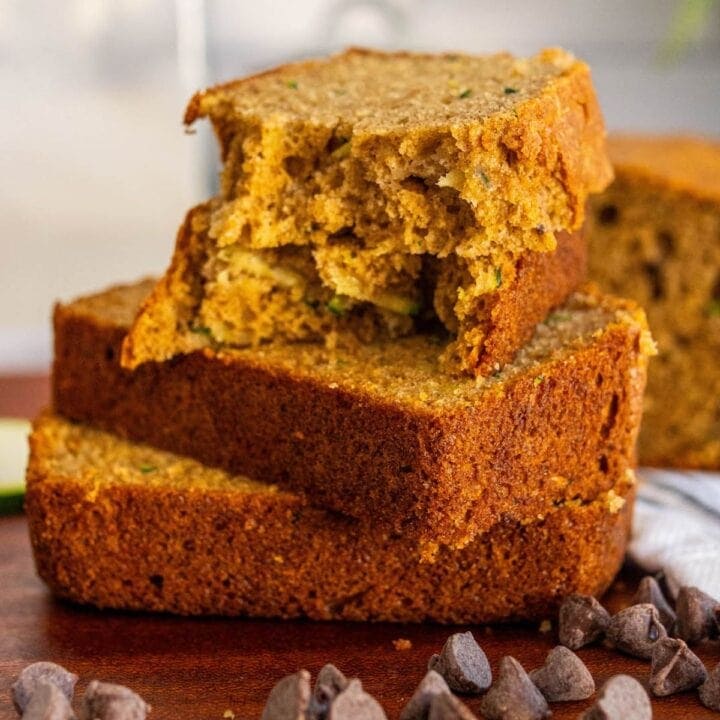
x=383, y=434
x=101, y=540
x=161, y=328
x=542, y=282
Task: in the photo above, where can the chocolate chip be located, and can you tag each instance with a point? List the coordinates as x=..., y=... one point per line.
x=48, y=702
x=513, y=695
x=649, y=592
x=329, y=684
x=332, y=679
x=582, y=621
x=463, y=664
x=289, y=699
x=635, y=630
x=674, y=668
x=620, y=698
x=563, y=677
x=696, y=615
x=107, y=701
x=418, y=706
x=353, y=703
x=710, y=690
x=447, y=707
x=608, y=215
x=24, y=686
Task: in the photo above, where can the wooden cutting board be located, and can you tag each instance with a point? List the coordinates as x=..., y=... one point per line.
x=200, y=668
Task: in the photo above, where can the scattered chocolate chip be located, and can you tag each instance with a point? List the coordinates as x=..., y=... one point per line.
x=563, y=677
x=48, y=702
x=24, y=686
x=353, y=703
x=513, y=695
x=463, y=664
x=696, y=615
x=635, y=630
x=620, y=698
x=608, y=215
x=418, y=706
x=289, y=699
x=582, y=621
x=330, y=682
x=447, y=707
x=710, y=690
x=674, y=668
x=649, y=591
x=107, y=701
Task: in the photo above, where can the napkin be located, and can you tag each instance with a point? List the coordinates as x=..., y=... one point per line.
x=676, y=528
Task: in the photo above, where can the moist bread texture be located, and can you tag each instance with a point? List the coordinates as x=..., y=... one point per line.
x=654, y=236
x=392, y=187
x=376, y=430
x=277, y=296
x=119, y=525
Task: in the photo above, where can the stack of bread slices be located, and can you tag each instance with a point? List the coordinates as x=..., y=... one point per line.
x=371, y=384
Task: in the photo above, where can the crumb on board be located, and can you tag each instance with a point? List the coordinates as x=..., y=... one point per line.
x=229, y=714
x=402, y=644
x=545, y=626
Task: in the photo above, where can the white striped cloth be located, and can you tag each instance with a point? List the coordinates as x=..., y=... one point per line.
x=676, y=528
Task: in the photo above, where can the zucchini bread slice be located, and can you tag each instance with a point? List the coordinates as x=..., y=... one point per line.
x=276, y=295
x=402, y=187
x=377, y=431
x=655, y=237
x=121, y=525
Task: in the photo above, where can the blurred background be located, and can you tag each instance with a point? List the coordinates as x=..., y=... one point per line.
x=97, y=171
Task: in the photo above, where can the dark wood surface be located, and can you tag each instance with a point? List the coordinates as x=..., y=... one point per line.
x=200, y=668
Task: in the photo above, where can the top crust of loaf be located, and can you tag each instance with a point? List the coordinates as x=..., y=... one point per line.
x=684, y=164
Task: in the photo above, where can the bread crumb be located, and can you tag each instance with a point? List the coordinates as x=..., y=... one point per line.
x=229, y=714
x=402, y=644
x=648, y=346
x=545, y=626
x=615, y=503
